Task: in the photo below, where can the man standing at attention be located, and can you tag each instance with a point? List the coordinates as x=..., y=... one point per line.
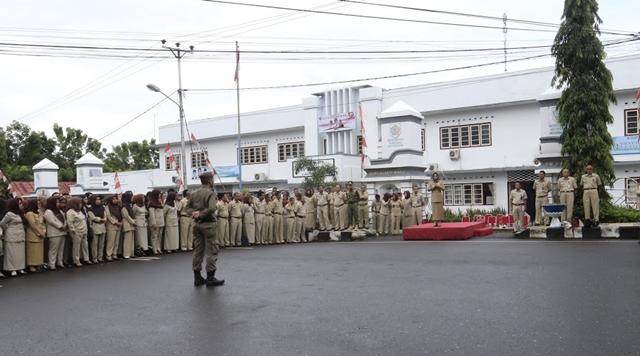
x=321, y=200
x=276, y=210
x=518, y=199
x=542, y=187
x=567, y=186
x=259, y=210
x=235, y=222
x=352, y=214
x=202, y=208
x=363, y=208
x=417, y=202
x=590, y=198
x=339, y=199
x=186, y=223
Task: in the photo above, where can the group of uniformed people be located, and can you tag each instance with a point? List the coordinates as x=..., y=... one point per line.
x=567, y=187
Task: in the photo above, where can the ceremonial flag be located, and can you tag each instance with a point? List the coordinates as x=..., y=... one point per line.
x=195, y=141
x=9, y=187
x=364, y=136
x=638, y=99
x=237, y=75
x=117, y=180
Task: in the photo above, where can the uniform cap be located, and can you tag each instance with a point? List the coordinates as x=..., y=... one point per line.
x=349, y=183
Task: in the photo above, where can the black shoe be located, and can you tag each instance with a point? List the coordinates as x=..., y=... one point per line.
x=198, y=280
x=212, y=281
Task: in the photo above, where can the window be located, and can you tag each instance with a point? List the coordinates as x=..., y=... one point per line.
x=423, y=139
x=468, y=194
x=630, y=193
x=198, y=159
x=464, y=136
x=254, y=155
x=359, y=145
x=176, y=158
x=631, y=122
x=286, y=150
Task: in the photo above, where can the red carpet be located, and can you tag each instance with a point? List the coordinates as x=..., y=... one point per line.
x=448, y=231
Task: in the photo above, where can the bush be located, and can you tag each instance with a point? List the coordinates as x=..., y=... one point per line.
x=610, y=213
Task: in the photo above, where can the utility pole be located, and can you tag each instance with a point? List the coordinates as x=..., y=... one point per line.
x=504, y=30
x=179, y=53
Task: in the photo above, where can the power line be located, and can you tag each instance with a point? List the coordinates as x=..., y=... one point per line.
x=111, y=132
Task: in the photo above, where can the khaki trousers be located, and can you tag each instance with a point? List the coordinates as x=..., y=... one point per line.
x=80, y=245
x=268, y=229
x=290, y=227
x=395, y=224
x=56, y=250
x=278, y=238
x=323, y=217
x=375, y=221
x=128, y=243
x=540, y=201
x=235, y=232
x=97, y=247
x=205, y=242
x=417, y=215
x=223, y=231
x=186, y=233
x=333, y=218
x=518, y=218
x=113, y=240
x=156, y=237
x=591, y=200
x=567, y=198
x=363, y=216
x=384, y=224
x=259, y=228
x=340, y=217
x=299, y=230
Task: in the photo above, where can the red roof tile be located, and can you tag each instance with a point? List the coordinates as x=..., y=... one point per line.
x=26, y=188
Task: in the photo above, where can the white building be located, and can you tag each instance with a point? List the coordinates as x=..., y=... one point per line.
x=481, y=134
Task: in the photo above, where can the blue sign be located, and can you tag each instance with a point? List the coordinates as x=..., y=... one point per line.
x=626, y=145
x=227, y=171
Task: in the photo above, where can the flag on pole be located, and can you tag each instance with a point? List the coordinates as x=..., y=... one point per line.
x=206, y=155
x=364, y=133
x=9, y=187
x=638, y=99
x=172, y=158
x=117, y=180
x=237, y=75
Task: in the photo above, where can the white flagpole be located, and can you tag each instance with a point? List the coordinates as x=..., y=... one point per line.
x=237, y=77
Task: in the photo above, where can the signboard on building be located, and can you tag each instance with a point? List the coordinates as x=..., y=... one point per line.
x=550, y=125
x=338, y=122
x=626, y=145
x=395, y=136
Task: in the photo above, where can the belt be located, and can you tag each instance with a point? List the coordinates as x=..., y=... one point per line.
x=566, y=191
x=302, y=216
x=542, y=196
x=255, y=212
x=322, y=204
x=291, y=217
x=353, y=202
x=337, y=206
x=590, y=188
x=184, y=216
x=518, y=204
x=199, y=221
x=376, y=212
x=278, y=213
x=417, y=206
x=365, y=204
x=223, y=217
x=237, y=217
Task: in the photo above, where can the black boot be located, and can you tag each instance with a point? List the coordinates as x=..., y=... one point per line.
x=212, y=281
x=197, y=279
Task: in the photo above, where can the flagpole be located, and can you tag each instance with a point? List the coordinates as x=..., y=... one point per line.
x=239, y=130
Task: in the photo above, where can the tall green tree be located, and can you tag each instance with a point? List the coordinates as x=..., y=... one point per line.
x=27, y=147
x=72, y=144
x=587, y=91
x=316, y=172
x=132, y=156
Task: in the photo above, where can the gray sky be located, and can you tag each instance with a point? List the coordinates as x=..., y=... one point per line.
x=105, y=93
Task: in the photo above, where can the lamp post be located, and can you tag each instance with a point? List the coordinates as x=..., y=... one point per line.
x=156, y=89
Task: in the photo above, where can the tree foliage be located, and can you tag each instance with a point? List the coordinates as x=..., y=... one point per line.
x=316, y=172
x=587, y=91
x=132, y=156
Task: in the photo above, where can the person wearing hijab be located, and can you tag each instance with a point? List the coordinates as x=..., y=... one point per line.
x=156, y=220
x=436, y=187
x=171, y=230
x=3, y=212
x=67, y=253
x=56, y=232
x=114, y=222
x=249, y=219
x=140, y=213
x=385, y=211
x=408, y=217
x=13, y=225
x=128, y=226
x=36, y=231
x=77, y=222
x=98, y=220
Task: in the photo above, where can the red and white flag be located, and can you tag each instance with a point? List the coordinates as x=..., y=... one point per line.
x=117, y=180
x=206, y=155
x=9, y=186
x=638, y=99
x=364, y=133
x=237, y=75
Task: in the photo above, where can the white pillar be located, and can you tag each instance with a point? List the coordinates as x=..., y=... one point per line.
x=327, y=102
x=334, y=102
x=335, y=143
x=347, y=104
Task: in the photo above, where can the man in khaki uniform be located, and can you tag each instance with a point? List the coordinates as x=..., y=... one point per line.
x=590, y=198
x=268, y=221
x=186, y=223
x=321, y=201
x=202, y=208
x=417, y=202
x=235, y=222
x=375, y=213
x=277, y=209
x=363, y=208
x=222, y=210
x=332, y=209
x=542, y=188
x=300, y=211
x=353, y=197
x=259, y=210
x=310, y=222
x=518, y=199
x=567, y=186
x=339, y=199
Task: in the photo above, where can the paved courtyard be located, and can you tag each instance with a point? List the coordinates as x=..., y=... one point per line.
x=491, y=296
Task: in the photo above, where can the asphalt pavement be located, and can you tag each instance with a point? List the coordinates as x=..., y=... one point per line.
x=491, y=296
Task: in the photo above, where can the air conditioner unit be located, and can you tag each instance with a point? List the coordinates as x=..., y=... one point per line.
x=454, y=154
x=260, y=176
x=433, y=167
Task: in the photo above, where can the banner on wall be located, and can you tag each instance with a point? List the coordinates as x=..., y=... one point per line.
x=338, y=122
x=221, y=171
x=625, y=145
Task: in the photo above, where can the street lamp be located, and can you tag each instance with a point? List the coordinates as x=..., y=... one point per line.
x=156, y=89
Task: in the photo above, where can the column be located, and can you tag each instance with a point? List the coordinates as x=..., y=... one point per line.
x=327, y=102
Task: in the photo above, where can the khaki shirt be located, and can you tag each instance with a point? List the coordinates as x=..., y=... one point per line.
x=299, y=210
x=259, y=206
x=268, y=209
x=204, y=201
x=364, y=199
x=385, y=207
x=590, y=182
x=417, y=200
x=396, y=209
x=321, y=199
x=567, y=185
x=518, y=197
x=542, y=187
x=288, y=211
x=436, y=194
x=276, y=206
x=181, y=207
x=339, y=199
x=223, y=209
x=375, y=206
x=235, y=209
x=309, y=207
